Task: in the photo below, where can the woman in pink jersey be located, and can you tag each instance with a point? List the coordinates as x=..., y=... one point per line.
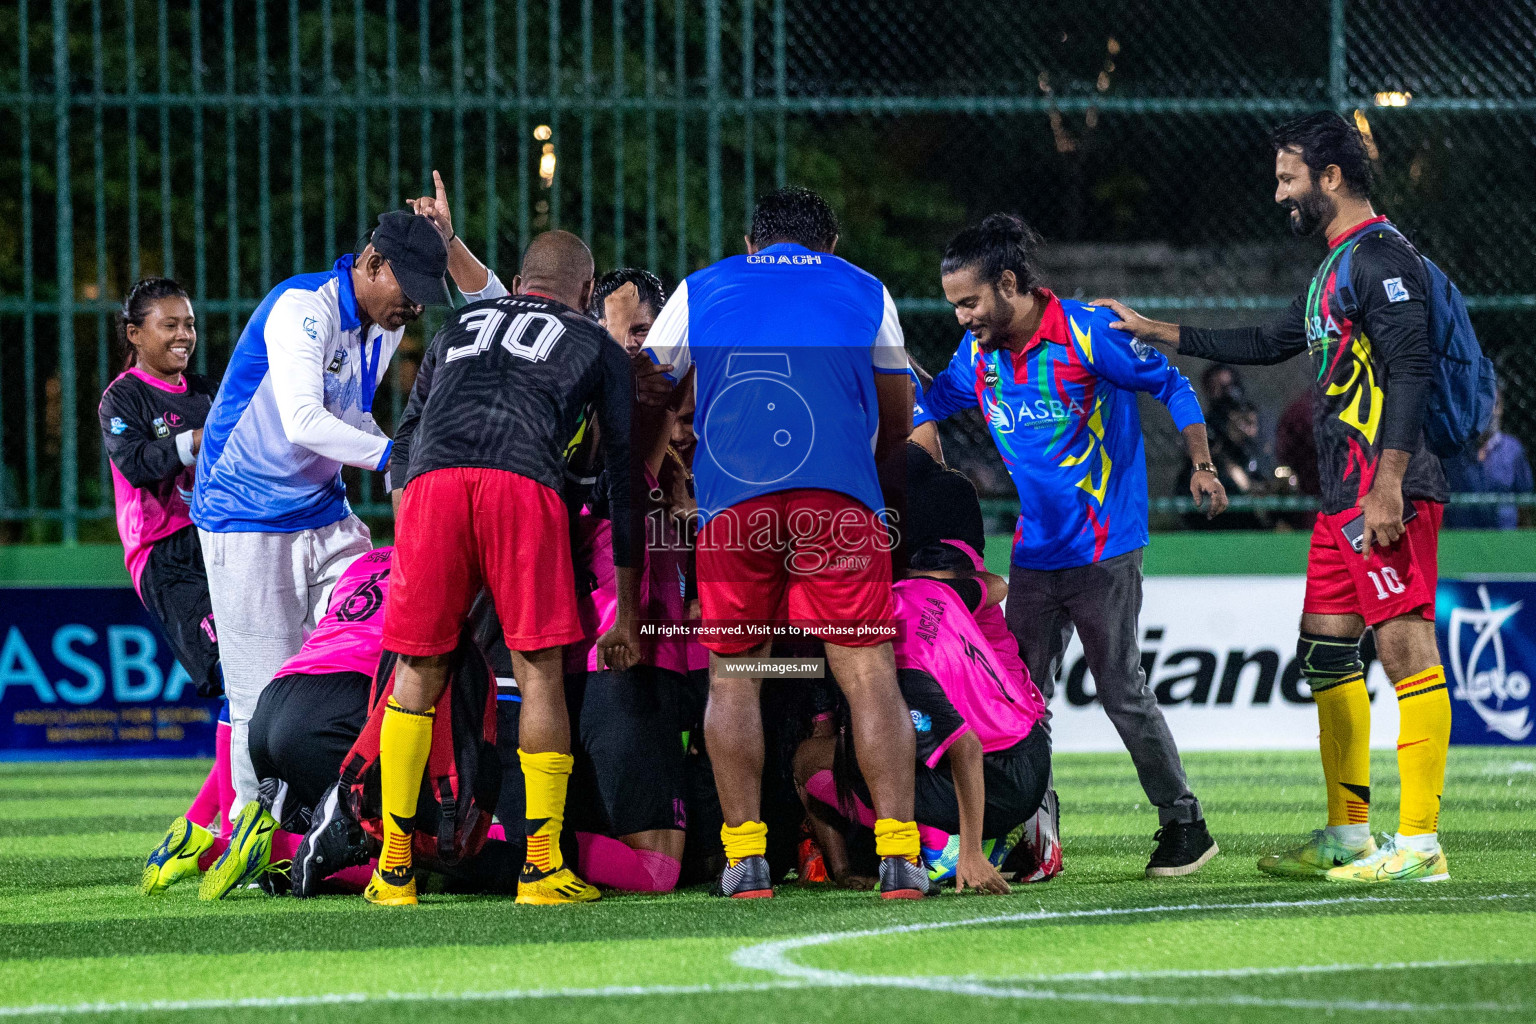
x=151, y=425
x=983, y=765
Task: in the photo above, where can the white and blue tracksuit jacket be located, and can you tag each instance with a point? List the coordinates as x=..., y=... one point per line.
x=293, y=408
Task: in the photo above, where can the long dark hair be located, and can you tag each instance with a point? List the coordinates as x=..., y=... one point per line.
x=1002, y=241
x=136, y=308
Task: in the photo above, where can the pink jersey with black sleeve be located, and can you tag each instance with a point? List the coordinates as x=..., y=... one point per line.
x=146, y=428
x=994, y=624
x=351, y=635
x=940, y=637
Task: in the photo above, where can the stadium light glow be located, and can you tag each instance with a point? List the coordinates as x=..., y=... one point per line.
x=1393, y=99
x=542, y=132
x=547, y=165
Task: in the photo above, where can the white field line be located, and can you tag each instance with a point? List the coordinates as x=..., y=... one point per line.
x=355, y=998
x=773, y=957
x=1262, y=972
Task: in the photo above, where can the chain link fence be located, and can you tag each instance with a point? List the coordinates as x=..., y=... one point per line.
x=231, y=144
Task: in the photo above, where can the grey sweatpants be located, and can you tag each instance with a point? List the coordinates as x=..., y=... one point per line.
x=1103, y=600
x=269, y=591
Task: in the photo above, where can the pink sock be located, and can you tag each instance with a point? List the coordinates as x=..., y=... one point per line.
x=496, y=832
x=205, y=806
x=284, y=845
x=662, y=869
x=226, y=779
x=606, y=861
x=822, y=788
x=353, y=879
x=932, y=838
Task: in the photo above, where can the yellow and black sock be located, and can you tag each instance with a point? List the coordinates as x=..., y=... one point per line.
x=545, y=777
x=405, y=740
x=897, y=839
x=749, y=839
x=1337, y=678
x=1344, y=738
x=1423, y=740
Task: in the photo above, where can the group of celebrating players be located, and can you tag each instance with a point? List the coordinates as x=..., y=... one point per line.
x=586, y=590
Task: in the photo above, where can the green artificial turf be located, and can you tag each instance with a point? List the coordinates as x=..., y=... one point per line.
x=78, y=942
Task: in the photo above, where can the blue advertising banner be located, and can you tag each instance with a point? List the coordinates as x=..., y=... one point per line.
x=1487, y=635
x=84, y=673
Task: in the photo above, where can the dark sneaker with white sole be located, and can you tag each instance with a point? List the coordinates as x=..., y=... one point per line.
x=900, y=879
x=747, y=879
x=334, y=841
x=1183, y=847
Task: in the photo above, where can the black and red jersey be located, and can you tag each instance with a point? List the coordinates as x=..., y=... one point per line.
x=1371, y=373
x=503, y=386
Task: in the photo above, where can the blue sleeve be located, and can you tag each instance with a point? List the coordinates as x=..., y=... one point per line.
x=1137, y=366
x=952, y=390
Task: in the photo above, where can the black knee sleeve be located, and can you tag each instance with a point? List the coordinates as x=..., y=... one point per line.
x=1329, y=661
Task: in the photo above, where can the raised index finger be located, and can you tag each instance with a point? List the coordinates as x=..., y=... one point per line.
x=442, y=190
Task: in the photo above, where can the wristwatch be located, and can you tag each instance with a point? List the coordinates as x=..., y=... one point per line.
x=1205, y=467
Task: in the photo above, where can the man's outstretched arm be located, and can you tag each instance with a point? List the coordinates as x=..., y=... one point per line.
x=1274, y=342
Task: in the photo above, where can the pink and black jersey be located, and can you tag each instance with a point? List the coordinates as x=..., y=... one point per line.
x=974, y=690
x=146, y=427
x=663, y=593
x=351, y=635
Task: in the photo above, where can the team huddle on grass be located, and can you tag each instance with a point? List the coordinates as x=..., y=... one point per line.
x=616, y=511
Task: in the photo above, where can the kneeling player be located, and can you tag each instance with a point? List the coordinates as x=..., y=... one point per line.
x=493, y=408
x=983, y=764
x=628, y=804
x=305, y=722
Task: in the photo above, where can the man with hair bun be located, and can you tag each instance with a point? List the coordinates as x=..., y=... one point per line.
x=1057, y=388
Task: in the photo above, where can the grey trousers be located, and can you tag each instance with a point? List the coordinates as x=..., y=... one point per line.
x=269, y=591
x=1103, y=601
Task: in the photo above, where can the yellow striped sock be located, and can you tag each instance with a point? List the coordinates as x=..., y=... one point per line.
x=545, y=777
x=405, y=741
x=1344, y=739
x=1423, y=740
x=749, y=839
x=897, y=839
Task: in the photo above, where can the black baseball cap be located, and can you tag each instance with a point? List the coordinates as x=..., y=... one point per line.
x=416, y=254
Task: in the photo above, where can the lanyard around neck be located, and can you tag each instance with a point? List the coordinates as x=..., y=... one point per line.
x=368, y=379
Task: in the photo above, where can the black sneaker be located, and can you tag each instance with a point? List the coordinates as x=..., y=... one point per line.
x=900, y=879
x=1182, y=848
x=747, y=879
x=334, y=841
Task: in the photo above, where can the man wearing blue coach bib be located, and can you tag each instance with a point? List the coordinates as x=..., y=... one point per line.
x=799, y=370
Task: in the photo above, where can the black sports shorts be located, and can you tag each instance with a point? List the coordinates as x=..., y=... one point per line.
x=627, y=729
x=174, y=586
x=1016, y=781
x=303, y=727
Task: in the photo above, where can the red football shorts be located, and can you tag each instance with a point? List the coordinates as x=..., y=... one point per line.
x=463, y=529
x=1389, y=582
x=814, y=559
